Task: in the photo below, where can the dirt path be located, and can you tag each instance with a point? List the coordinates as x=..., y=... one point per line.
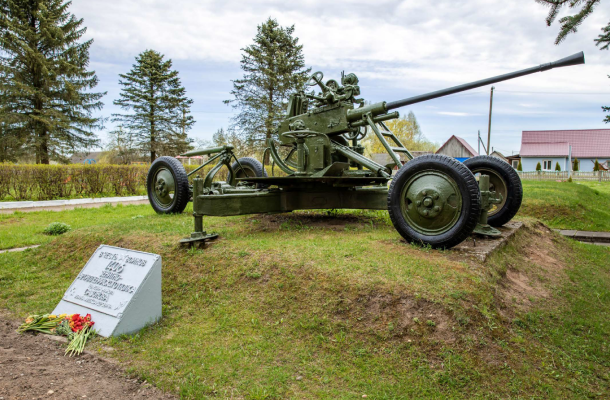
x=35, y=368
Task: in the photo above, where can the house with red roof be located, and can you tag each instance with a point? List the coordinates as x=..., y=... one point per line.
x=457, y=147
x=551, y=147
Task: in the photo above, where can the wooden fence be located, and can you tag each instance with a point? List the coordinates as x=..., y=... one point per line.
x=599, y=176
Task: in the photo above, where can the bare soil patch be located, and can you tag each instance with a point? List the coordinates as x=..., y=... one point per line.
x=314, y=220
x=408, y=318
x=540, y=265
x=34, y=367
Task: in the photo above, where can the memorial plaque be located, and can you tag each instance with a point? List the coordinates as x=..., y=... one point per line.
x=120, y=288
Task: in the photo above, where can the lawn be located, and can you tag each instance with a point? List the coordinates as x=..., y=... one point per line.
x=336, y=306
x=568, y=205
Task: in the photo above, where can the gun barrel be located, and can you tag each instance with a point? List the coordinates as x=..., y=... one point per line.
x=575, y=59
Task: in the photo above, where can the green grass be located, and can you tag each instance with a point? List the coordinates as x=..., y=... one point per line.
x=564, y=205
x=25, y=229
x=308, y=305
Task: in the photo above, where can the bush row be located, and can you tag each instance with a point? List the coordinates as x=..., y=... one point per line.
x=48, y=182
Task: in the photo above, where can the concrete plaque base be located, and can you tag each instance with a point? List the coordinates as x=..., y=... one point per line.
x=120, y=288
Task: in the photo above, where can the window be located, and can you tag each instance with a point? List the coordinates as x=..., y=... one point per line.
x=515, y=164
x=547, y=165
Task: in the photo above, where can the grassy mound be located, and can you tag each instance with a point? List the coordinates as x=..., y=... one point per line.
x=315, y=305
x=568, y=205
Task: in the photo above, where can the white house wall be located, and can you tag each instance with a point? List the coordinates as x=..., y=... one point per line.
x=586, y=164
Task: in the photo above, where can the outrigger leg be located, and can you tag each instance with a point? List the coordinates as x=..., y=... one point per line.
x=199, y=235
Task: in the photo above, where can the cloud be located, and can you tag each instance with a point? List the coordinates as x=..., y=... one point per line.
x=397, y=48
x=457, y=114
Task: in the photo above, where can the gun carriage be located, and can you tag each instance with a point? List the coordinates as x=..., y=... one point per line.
x=432, y=199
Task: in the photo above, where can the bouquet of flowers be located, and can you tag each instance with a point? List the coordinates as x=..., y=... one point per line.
x=46, y=323
x=77, y=328
x=81, y=329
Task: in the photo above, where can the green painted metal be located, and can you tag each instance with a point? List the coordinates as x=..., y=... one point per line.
x=431, y=202
x=277, y=201
x=164, y=187
x=496, y=185
x=488, y=200
x=326, y=168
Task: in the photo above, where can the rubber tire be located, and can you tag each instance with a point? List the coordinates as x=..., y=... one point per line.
x=469, y=190
x=254, y=165
x=182, y=190
x=513, y=182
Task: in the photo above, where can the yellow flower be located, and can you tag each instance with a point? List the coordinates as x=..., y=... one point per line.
x=62, y=315
x=52, y=316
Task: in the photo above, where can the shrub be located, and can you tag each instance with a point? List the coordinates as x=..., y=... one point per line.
x=557, y=167
x=596, y=166
x=519, y=166
x=46, y=182
x=576, y=166
x=5, y=180
x=538, y=167
x=56, y=228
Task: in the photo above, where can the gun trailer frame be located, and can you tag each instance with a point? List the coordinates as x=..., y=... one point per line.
x=432, y=199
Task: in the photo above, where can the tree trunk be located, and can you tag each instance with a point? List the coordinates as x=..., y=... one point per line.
x=44, y=147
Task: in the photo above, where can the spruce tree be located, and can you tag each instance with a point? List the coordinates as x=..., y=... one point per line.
x=570, y=23
x=538, y=167
x=596, y=166
x=519, y=166
x=160, y=111
x=557, y=167
x=46, y=103
x=274, y=68
x=576, y=165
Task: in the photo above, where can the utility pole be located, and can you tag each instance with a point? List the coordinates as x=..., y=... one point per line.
x=569, y=161
x=491, y=100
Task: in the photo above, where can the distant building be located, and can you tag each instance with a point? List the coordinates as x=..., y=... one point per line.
x=458, y=148
x=499, y=155
x=513, y=160
x=84, y=157
x=421, y=153
x=195, y=160
x=551, y=147
x=385, y=159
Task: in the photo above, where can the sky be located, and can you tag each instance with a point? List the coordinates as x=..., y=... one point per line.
x=398, y=49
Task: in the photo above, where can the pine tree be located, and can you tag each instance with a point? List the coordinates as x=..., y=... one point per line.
x=519, y=166
x=596, y=166
x=160, y=111
x=570, y=23
x=576, y=165
x=44, y=82
x=557, y=167
x=538, y=167
x=274, y=68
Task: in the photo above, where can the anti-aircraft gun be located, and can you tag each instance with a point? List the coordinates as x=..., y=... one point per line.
x=431, y=199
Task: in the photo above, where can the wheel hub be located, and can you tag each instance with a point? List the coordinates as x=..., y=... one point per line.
x=429, y=203
x=164, y=186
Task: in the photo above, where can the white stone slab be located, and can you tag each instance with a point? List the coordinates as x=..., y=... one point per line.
x=120, y=288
